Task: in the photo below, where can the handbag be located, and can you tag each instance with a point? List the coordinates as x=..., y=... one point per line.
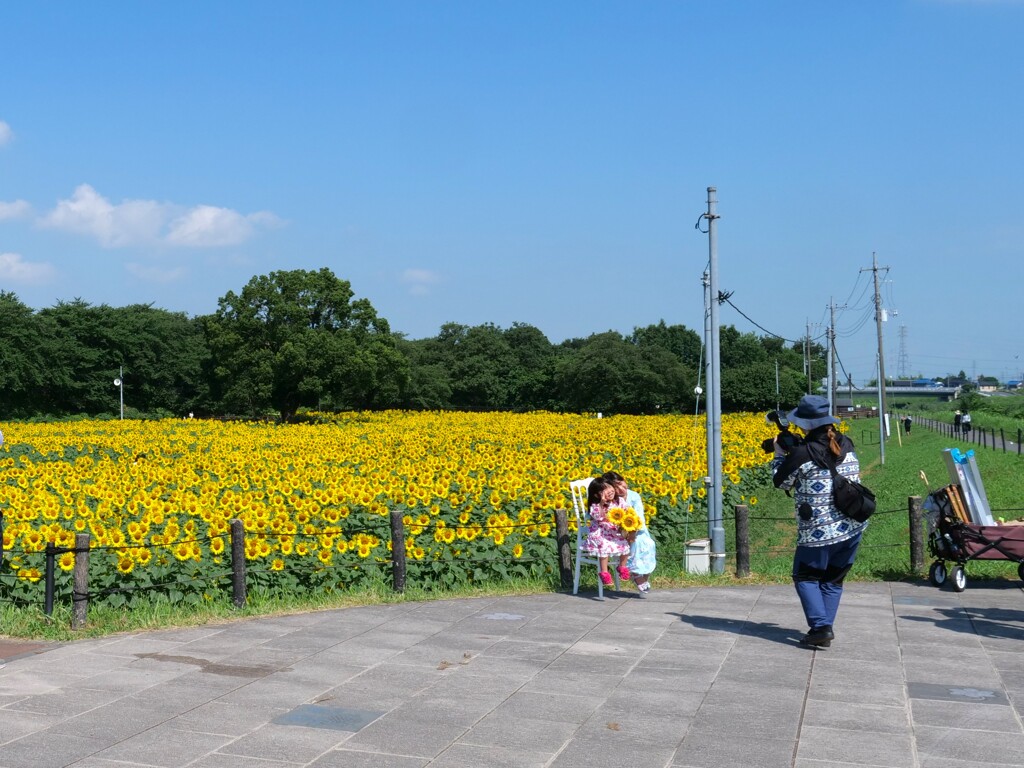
x=853, y=499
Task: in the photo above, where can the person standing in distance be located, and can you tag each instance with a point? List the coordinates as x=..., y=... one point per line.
x=827, y=540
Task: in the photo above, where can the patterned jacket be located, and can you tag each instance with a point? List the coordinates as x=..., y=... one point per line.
x=819, y=522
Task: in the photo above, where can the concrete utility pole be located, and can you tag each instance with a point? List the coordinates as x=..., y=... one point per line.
x=713, y=413
x=879, y=319
x=807, y=356
x=832, y=357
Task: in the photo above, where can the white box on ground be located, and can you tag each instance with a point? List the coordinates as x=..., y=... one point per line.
x=697, y=557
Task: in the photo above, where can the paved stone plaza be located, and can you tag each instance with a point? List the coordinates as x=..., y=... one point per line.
x=688, y=678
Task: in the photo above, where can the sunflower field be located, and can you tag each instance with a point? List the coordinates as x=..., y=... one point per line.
x=477, y=494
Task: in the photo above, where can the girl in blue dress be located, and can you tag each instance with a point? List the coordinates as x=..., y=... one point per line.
x=642, y=559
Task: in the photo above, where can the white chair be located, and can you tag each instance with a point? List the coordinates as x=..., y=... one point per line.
x=578, y=489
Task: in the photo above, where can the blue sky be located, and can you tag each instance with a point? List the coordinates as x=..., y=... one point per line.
x=536, y=162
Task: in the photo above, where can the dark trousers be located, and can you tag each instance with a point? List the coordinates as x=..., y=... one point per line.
x=818, y=574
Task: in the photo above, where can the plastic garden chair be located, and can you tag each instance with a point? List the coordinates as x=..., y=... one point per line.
x=578, y=489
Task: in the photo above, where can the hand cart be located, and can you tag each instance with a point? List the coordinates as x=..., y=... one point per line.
x=953, y=538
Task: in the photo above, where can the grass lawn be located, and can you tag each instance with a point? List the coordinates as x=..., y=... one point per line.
x=885, y=552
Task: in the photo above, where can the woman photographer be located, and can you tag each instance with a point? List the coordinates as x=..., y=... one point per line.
x=827, y=540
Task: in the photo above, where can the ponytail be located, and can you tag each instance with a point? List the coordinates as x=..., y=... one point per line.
x=833, y=443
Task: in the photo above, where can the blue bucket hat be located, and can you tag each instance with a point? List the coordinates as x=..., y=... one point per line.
x=811, y=413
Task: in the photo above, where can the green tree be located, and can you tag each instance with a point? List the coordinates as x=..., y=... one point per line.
x=429, y=386
x=676, y=339
x=607, y=373
x=160, y=354
x=23, y=358
x=532, y=376
x=482, y=365
x=298, y=338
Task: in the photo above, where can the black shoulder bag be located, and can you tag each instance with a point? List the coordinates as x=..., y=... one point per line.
x=853, y=499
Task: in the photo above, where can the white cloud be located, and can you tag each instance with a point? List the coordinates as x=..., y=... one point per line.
x=6, y=134
x=133, y=222
x=148, y=222
x=155, y=274
x=419, y=280
x=14, y=267
x=19, y=209
x=206, y=226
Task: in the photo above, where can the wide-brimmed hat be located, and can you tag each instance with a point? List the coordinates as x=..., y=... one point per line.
x=811, y=413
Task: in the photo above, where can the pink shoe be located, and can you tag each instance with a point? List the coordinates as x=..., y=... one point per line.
x=624, y=573
x=606, y=578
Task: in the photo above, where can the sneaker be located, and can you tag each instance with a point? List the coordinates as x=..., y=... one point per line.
x=645, y=587
x=624, y=573
x=606, y=578
x=821, y=637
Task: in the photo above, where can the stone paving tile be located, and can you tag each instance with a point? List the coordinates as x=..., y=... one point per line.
x=349, y=758
x=15, y=725
x=540, y=735
x=856, y=717
x=164, y=746
x=426, y=739
x=218, y=760
x=43, y=750
x=611, y=750
x=58, y=704
x=876, y=693
x=285, y=743
x=462, y=755
x=957, y=714
x=864, y=747
x=646, y=729
x=928, y=761
x=226, y=718
x=711, y=749
x=565, y=708
x=979, y=746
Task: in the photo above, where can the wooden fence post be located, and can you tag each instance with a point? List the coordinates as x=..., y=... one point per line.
x=565, y=571
x=238, y=588
x=915, y=509
x=742, y=541
x=48, y=578
x=397, y=551
x=80, y=590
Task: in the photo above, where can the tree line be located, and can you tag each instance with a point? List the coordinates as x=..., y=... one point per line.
x=295, y=340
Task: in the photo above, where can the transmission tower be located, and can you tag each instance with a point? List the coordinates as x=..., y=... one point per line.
x=903, y=362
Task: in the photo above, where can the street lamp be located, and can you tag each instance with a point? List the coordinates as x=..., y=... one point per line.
x=119, y=383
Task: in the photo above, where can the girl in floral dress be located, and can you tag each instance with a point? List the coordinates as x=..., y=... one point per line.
x=605, y=539
x=642, y=553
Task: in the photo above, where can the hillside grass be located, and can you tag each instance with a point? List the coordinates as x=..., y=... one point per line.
x=885, y=552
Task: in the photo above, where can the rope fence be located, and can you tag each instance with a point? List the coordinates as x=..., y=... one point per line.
x=242, y=571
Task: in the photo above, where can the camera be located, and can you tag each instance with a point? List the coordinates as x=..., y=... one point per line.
x=786, y=439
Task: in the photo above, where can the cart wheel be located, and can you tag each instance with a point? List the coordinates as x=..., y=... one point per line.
x=959, y=578
x=1020, y=570
x=937, y=573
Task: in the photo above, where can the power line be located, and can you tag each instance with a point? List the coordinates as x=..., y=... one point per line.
x=725, y=297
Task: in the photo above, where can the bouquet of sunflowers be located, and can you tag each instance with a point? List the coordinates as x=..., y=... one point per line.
x=626, y=520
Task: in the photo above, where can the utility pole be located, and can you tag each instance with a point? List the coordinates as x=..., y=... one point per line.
x=713, y=410
x=879, y=319
x=832, y=357
x=807, y=356
x=778, y=403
